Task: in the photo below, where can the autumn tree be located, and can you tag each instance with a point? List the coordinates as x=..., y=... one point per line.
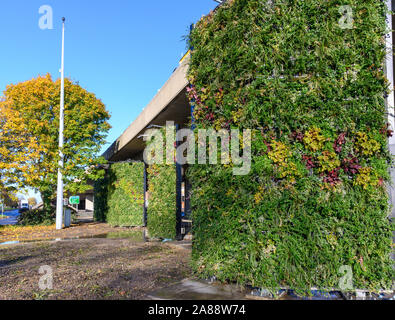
x=32, y=201
x=29, y=128
x=8, y=198
x=15, y=158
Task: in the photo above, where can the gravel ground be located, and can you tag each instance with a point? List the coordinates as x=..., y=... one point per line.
x=94, y=269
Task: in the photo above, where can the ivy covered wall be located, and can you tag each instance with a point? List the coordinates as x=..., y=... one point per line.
x=119, y=197
x=313, y=92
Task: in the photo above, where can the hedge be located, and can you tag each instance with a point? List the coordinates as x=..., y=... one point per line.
x=119, y=197
x=315, y=199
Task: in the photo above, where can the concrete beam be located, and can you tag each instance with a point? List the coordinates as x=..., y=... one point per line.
x=167, y=94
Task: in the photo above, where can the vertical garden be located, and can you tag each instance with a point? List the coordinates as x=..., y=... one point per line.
x=162, y=176
x=161, y=215
x=313, y=91
x=119, y=197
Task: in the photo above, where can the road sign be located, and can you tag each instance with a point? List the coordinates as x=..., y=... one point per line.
x=74, y=200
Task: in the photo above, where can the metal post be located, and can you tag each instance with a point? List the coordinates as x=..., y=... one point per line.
x=389, y=70
x=145, y=217
x=59, y=200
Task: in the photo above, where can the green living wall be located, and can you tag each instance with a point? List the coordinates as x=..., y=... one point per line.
x=313, y=91
x=119, y=197
x=161, y=214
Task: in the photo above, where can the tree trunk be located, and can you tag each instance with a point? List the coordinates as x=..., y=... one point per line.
x=46, y=197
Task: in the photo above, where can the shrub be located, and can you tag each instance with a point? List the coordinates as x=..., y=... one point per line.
x=119, y=197
x=315, y=199
x=37, y=217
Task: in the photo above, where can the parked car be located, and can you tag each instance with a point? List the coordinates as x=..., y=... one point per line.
x=24, y=206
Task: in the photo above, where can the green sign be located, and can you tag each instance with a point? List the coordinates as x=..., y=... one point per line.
x=74, y=200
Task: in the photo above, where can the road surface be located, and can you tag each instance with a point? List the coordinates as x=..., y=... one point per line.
x=13, y=218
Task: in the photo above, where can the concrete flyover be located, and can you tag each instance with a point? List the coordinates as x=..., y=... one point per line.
x=169, y=104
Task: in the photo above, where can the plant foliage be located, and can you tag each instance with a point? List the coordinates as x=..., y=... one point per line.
x=161, y=221
x=160, y=155
x=119, y=197
x=29, y=131
x=45, y=217
x=315, y=199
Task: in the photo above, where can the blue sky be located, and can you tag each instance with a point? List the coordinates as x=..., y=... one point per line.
x=121, y=50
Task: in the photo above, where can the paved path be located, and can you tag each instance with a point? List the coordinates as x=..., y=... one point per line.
x=198, y=290
x=13, y=218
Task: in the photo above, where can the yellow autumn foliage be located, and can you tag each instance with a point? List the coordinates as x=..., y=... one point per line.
x=29, y=126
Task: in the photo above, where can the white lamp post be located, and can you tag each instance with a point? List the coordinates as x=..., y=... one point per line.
x=59, y=200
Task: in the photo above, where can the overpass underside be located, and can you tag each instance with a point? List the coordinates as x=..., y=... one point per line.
x=169, y=104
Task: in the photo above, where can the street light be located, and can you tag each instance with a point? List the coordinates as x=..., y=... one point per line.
x=59, y=195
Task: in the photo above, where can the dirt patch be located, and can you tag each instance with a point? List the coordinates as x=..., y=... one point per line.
x=81, y=230
x=91, y=269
